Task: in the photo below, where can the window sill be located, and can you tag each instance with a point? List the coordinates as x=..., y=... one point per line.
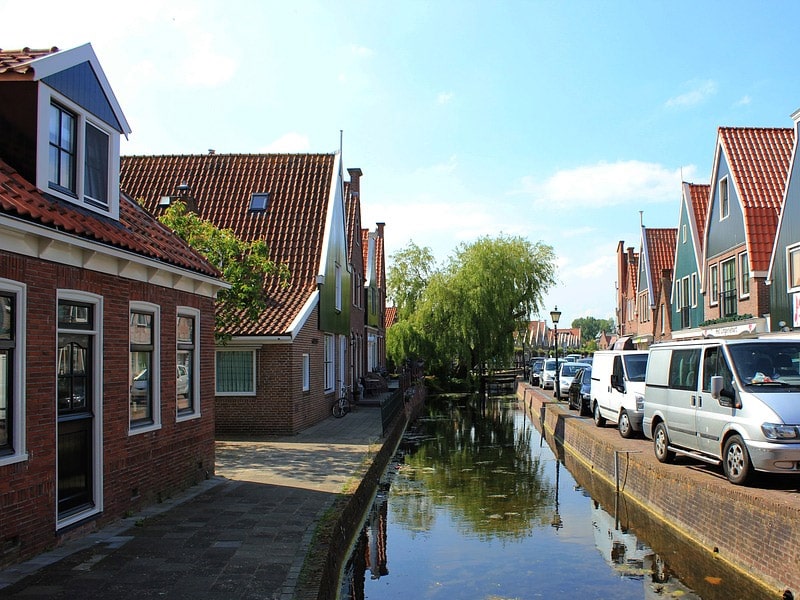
x=137, y=429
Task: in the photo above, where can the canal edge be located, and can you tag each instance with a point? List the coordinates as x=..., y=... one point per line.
x=598, y=456
x=320, y=576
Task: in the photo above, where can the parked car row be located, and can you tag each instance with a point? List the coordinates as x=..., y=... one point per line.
x=734, y=403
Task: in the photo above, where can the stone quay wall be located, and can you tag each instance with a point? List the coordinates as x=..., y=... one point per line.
x=755, y=530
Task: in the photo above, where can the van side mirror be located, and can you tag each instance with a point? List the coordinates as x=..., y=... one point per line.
x=719, y=393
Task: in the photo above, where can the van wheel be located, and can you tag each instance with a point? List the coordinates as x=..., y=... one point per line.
x=599, y=419
x=736, y=461
x=624, y=425
x=661, y=444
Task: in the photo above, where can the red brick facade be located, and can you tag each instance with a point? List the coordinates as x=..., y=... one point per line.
x=137, y=469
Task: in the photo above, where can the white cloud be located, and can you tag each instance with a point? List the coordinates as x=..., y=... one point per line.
x=699, y=92
x=444, y=97
x=743, y=101
x=289, y=142
x=608, y=184
x=361, y=51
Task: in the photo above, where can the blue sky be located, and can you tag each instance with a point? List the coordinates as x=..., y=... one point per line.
x=555, y=121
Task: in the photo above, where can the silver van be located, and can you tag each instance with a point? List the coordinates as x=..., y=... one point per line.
x=734, y=402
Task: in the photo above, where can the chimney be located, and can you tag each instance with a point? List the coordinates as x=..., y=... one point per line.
x=380, y=227
x=355, y=181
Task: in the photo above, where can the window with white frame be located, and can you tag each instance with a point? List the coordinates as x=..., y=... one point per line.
x=338, y=287
x=713, y=285
x=187, y=363
x=694, y=289
x=306, y=374
x=793, y=268
x=144, y=371
x=329, y=365
x=235, y=372
x=744, y=275
x=12, y=372
x=678, y=300
x=683, y=232
x=78, y=164
x=644, y=316
x=724, y=199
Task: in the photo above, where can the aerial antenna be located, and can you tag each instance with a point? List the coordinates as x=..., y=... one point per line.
x=341, y=133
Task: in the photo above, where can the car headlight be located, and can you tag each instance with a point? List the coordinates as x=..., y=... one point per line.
x=776, y=431
x=639, y=402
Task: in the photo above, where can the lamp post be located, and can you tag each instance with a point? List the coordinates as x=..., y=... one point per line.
x=555, y=315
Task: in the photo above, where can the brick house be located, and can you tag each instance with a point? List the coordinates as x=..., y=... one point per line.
x=654, y=285
x=106, y=331
x=281, y=373
x=627, y=275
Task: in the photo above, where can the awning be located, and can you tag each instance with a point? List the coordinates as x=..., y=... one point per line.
x=624, y=343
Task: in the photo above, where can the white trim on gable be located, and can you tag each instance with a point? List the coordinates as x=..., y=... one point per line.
x=50, y=64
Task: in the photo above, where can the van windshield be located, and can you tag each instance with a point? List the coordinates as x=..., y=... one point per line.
x=635, y=366
x=774, y=363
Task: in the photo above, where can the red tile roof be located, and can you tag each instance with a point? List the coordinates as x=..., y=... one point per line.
x=759, y=162
x=698, y=198
x=136, y=231
x=293, y=225
x=17, y=61
x=391, y=316
x=660, y=256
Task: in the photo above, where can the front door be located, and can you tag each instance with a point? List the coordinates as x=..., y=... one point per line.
x=75, y=418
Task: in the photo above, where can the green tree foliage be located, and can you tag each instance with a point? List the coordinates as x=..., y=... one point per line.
x=590, y=327
x=244, y=265
x=412, y=268
x=466, y=313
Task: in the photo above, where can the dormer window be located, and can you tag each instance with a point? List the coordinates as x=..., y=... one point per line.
x=76, y=158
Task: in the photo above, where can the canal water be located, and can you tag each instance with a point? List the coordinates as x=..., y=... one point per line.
x=477, y=506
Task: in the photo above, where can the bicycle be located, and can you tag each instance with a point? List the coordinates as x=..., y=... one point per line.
x=342, y=406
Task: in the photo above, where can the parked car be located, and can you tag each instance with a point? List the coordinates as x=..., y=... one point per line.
x=618, y=389
x=535, y=374
x=726, y=401
x=566, y=373
x=548, y=376
x=580, y=389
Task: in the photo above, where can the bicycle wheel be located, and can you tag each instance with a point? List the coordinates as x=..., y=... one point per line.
x=339, y=408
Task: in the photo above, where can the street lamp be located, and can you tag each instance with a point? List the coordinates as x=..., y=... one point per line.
x=555, y=315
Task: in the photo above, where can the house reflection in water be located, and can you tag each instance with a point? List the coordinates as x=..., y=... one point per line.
x=369, y=553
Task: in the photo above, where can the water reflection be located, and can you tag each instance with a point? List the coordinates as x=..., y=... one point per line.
x=476, y=505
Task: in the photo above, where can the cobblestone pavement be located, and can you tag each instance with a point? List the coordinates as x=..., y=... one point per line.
x=242, y=534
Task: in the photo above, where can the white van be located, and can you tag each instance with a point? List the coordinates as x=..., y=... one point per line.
x=617, y=389
x=735, y=402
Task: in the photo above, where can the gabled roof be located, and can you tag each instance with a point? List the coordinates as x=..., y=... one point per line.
x=136, y=231
x=293, y=224
x=36, y=65
x=698, y=198
x=658, y=248
x=758, y=159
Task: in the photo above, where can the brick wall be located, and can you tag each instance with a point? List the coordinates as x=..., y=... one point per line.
x=280, y=406
x=137, y=469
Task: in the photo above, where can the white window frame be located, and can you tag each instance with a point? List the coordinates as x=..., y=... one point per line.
x=724, y=198
x=243, y=350
x=83, y=120
x=330, y=362
x=338, y=290
x=744, y=275
x=17, y=401
x=713, y=285
x=693, y=293
x=97, y=397
x=195, y=413
x=790, y=252
x=684, y=233
x=155, y=375
x=676, y=301
x=306, y=372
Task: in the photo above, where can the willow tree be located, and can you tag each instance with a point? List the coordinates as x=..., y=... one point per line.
x=468, y=312
x=497, y=283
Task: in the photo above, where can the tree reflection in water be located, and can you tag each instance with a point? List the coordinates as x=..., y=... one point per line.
x=477, y=463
